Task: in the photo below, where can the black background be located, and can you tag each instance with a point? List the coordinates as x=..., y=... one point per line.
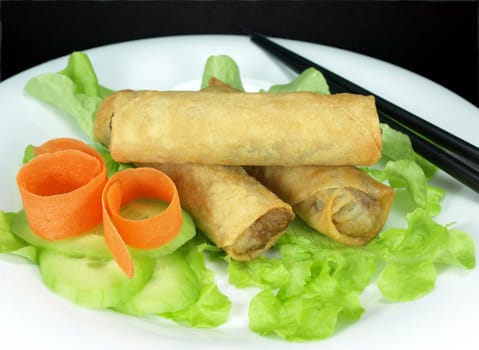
x=437, y=39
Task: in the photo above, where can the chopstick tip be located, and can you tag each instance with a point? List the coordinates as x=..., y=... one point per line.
x=252, y=33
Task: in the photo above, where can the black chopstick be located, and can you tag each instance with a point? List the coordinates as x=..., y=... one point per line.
x=397, y=118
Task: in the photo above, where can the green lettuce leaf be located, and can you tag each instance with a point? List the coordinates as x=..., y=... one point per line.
x=261, y=272
x=297, y=319
x=411, y=255
x=403, y=168
x=398, y=146
x=309, y=80
x=406, y=282
x=74, y=90
x=408, y=175
x=212, y=307
x=460, y=250
x=315, y=284
x=224, y=68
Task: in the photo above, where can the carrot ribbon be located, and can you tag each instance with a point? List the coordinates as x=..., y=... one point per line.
x=66, y=192
x=61, y=188
x=128, y=185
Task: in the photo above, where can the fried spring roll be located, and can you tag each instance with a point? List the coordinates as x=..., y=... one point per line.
x=239, y=128
x=342, y=202
x=233, y=209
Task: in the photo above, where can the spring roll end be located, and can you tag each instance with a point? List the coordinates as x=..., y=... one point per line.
x=349, y=216
x=261, y=235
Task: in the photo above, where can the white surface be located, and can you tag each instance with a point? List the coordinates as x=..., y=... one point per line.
x=33, y=317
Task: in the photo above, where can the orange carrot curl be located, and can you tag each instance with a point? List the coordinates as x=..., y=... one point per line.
x=61, y=188
x=66, y=192
x=128, y=185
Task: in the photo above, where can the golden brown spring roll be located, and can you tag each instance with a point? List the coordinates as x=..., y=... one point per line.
x=233, y=209
x=238, y=128
x=342, y=202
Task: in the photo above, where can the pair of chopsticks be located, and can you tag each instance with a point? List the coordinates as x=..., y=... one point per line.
x=433, y=143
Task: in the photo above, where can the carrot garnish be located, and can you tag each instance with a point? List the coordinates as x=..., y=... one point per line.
x=66, y=192
x=128, y=185
x=61, y=188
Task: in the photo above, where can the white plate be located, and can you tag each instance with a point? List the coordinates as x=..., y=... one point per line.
x=33, y=317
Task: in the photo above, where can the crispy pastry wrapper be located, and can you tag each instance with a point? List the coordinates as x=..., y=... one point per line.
x=238, y=128
x=342, y=202
x=230, y=207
